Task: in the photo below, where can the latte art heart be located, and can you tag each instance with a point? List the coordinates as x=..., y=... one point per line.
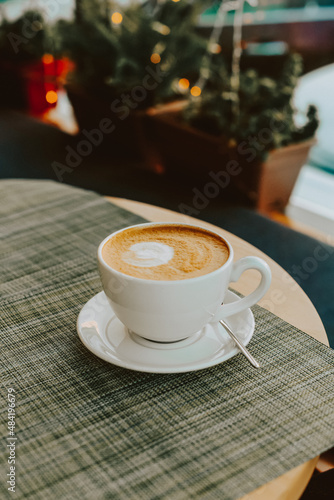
x=148, y=254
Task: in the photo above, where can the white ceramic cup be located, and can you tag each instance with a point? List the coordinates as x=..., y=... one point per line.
x=169, y=311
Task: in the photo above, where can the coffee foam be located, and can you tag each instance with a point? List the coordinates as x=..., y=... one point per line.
x=165, y=252
x=148, y=254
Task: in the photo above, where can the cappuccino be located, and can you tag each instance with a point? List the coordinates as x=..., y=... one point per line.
x=165, y=252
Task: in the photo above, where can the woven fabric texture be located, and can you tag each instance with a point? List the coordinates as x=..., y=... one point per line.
x=87, y=429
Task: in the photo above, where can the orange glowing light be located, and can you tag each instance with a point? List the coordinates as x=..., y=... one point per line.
x=117, y=18
x=176, y=1
x=195, y=91
x=155, y=58
x=48, y=59
x=216, y=48
x=184, y=84
x=51, y=97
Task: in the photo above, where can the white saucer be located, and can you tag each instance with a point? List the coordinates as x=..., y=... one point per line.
x=104, y=335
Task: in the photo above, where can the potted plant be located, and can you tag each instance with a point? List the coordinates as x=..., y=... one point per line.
x=126, y=60
x=262, y=138
x=176, y=104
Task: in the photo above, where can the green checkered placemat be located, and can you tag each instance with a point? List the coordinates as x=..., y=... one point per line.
x=87, y=429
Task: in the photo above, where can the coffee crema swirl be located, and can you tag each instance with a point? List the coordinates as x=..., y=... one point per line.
x=165, y=252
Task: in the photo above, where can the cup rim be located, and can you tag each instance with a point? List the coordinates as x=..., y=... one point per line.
x=163, y=282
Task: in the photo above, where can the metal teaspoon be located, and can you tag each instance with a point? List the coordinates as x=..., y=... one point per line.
x=240, y=345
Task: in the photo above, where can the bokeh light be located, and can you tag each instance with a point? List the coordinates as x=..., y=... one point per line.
x=184, y=84
x=195, y=91
x=51, y=97
x=155, y=58
x=117, y=18
x=215, y=48
x=48, y=59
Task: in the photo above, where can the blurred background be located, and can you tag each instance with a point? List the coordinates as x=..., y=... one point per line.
x=195, y=106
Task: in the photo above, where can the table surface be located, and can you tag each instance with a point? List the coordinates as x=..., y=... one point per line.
x=284, y=298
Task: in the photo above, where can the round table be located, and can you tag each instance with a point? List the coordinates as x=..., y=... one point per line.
x=285, y=299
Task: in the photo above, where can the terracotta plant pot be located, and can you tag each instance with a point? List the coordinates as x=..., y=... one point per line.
x=182, y=149
x=277, y=176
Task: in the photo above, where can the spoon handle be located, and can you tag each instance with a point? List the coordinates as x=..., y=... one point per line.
x=240, y=345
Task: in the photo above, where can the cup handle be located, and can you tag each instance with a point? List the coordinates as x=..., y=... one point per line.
x=238, y=268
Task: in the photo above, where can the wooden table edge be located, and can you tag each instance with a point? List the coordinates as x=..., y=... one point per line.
x=291, y=484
